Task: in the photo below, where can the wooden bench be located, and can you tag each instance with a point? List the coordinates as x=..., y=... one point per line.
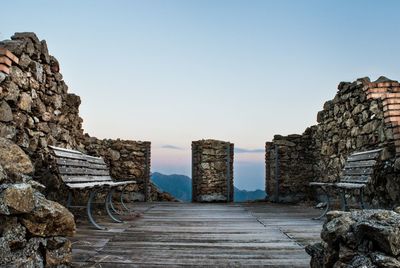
x=357, y=173
x=81, y=172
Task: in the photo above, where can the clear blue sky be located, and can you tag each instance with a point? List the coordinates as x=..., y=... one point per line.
x=176, y=71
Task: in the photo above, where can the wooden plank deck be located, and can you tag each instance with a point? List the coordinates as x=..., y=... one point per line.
x=188, y=235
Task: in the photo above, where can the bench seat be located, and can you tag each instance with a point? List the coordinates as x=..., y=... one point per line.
x=90, y=185
x=322, y=184
x=348, y=185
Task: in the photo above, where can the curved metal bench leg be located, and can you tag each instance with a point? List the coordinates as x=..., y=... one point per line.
x=113, y=208
x=122, y=200
x=108, y=201
x=328, y=204
x=89, y=210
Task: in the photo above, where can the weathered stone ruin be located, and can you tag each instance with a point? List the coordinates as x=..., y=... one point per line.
x=212, y=171
x=369, y=238
x=36, y=110
x=294, y=153
x=128, y=160
x=33, y=229
x=362, y=116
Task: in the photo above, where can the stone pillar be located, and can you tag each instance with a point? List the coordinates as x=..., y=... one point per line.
x=212, y=171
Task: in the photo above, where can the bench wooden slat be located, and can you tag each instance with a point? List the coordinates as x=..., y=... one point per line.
x=363, y=156
x=358, y=171
x=362, y=163
x=72, y=170
x=81, y=171
x=356, y=179
x=78, y=163
x=368, y=152
x=64, y=150
x=97, y=184
x=80, y=179
x=350, y=185
x=95, y=160
x=321, y=183
x=98, y=172
x=78, y=156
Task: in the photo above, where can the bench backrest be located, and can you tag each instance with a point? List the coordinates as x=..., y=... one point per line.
x=360, y=166
x=76, y=167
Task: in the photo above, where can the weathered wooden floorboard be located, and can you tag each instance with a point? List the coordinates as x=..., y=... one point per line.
x=198, y=235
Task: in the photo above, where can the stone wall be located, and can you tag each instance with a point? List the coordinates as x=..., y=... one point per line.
x=354, y=120
x=35, y=110
x=212, y=171
x=288, y=181
x=128, y=160
x=368, y=238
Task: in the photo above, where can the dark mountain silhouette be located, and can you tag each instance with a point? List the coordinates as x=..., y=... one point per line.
x=180, y=186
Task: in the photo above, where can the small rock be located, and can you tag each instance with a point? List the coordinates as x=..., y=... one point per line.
x=384, y=261
x=11, y=93
x=37, y=70
x=2, y=77
x=24, y=61
x=5, y=112
x=25, y=102
x=14, y=233
x=46, y=116
x=16, y=199
x=49, y=218
x=19, y=77
x=13, y=158
x=7, y=131
x=58, y=251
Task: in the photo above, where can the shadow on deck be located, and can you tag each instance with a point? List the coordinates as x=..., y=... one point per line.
x=187, y=234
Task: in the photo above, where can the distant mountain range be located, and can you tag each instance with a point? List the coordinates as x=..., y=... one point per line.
x=180, y=186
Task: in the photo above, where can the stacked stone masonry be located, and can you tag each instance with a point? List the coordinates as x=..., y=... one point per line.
x=367, y=238
x=36, y=110
x=128, y=160
x=294, y=154
x=362, y=116
x=212, y=171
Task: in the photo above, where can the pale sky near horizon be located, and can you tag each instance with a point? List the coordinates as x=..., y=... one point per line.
x=171, y=72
